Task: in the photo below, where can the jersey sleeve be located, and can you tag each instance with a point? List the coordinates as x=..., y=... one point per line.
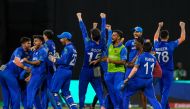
x=109, y=38
x=42, y=55
x=128, y=44
x=64, y=57
x=18, y=53
x=84, y=32
x=123, y=54
x=155, y=43
x=174, y=44
x=103, y=29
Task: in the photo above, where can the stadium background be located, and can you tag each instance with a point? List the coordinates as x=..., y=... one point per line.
x=27, y=17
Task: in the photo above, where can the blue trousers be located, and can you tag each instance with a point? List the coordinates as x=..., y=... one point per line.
x=5, y=93
x=145, y=85
x=23, y=87
x=61, y=81
x=86, y=77
x=112, y=82
x=33, y=88
x=165, y=84
x=45, y=90
x=10, y=82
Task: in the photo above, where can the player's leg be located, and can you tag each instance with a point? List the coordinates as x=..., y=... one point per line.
x=83, y=84
x=5, y=93
x=32, y=88
x=109, y=78
x=130, y=89
x=97, y=85
x=94, y=102
x=150, y=94
x=65, y=91
x=14, y=90
x=44, y=95
x=167, y=80
x=37, y=100
x=56, y=84
x=143, y=99
x=118, y=78
x=23, y=86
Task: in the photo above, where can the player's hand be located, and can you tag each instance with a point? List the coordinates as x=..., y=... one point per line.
x=3, y=67
x=160, y=24
x=27, y=69
x=52, y=58
x=25, y=59
x=122, y=40
x=102, y=15
x=126, y=80
x=57, y=55
x=28, y=78
x=182, y=24
x=79, y=16
x=109, y=60
x=33, y=48
x=95, y=24
x=94, y=62
x=108, y=27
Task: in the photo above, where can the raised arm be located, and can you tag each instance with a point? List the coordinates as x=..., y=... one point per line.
x=103, y=26
x=157, y=34
x=108, y=27
x=183, y=33
x=83, y=28
x=95, y=24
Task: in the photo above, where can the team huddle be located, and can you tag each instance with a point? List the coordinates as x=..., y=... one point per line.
x=37, y=75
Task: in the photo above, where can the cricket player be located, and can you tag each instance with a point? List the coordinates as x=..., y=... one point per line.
x=141, y=78
x=38, y=72
x=164, y=53
x=51, y=49
x=132, y=52
x=90, y=73
x=62, y=76
x=117, y=56
x=10, y=74
x=130, y=45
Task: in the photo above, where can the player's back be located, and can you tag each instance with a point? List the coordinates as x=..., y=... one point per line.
x=146, y=62
x=70, y=55
x=20, y=53
x=164, y=53
x=50, y=46
x=93, y=51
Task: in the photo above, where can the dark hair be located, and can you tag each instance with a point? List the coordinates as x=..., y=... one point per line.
x=140, y=40
x=96, y=34
x=24, y=39
x=164, y=34
x=119, y=32
x=147, y=46
x=48, y=33
x=38, y=37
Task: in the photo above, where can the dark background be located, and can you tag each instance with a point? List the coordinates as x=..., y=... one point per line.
x=27, y=17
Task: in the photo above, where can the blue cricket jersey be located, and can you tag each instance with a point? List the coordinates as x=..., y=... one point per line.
x=50, y=47
x=164, y=53
x=68, y=57
x=20, y=53
x=130, y=45
x=146, y=62
x=41, y=55
x=93, y=51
